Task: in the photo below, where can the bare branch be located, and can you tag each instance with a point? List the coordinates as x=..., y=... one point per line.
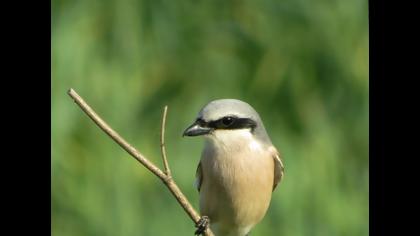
x=115, y=136
x=162, y=143
x=164, y=176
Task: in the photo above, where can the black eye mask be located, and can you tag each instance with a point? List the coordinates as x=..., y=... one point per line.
x=229, y=122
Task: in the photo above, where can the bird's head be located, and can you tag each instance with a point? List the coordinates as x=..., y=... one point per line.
x=227, y=116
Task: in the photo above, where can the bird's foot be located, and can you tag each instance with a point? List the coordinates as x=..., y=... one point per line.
x=202, y=225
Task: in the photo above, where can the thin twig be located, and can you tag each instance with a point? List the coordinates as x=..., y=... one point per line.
x=162, y=143
x=164, y=176
x=115, y=136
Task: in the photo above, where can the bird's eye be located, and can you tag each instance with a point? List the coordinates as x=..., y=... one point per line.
x=227, y=121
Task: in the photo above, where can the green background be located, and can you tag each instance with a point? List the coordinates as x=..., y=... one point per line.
x=303, y=65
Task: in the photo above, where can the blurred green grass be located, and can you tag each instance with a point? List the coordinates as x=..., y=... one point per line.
x=302, y=64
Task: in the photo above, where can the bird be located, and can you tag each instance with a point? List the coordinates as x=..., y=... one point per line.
x=238, y=170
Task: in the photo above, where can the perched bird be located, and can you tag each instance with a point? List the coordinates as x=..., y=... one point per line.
x=239, y=167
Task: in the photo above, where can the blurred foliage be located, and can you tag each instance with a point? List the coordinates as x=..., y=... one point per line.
x=302, y=64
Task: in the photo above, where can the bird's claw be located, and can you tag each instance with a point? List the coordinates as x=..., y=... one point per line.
x=202, y=225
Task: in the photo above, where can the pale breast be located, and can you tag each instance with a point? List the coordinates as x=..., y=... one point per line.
x=237, y=183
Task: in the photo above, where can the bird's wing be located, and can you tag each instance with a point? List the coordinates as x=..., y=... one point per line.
x=278, y=167
x=198, y=177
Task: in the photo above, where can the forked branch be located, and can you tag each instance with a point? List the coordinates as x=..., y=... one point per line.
x=165, y=175
x=162, y=143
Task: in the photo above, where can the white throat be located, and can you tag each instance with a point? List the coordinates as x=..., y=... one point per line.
x=234, y=140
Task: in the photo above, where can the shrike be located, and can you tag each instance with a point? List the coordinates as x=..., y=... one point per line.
x=239, y=167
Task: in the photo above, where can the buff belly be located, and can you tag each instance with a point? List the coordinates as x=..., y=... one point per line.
x=237, y=186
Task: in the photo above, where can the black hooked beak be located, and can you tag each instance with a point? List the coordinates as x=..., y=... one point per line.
x=196, y=129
